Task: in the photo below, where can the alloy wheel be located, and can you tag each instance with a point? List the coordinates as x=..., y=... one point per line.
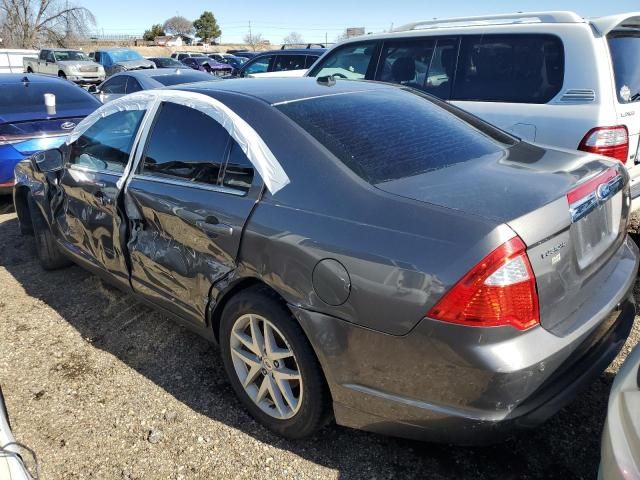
x=266, y=366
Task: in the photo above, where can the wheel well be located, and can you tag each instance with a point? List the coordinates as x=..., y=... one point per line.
x=61, y=73
x=29, y=70
x=22, y=209
x=240, y=286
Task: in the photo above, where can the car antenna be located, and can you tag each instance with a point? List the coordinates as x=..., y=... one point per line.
x=327, y=80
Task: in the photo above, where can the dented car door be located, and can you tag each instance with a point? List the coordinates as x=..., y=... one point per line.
x=87, y=216
x=187, y=202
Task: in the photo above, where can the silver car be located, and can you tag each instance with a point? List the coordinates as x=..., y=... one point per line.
x=621, y=437
x=124, y=83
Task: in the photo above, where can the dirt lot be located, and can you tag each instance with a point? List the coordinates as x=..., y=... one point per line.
x=102, y=387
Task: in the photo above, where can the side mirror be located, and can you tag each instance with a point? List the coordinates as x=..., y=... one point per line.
x=93, y=89
x=48, y=160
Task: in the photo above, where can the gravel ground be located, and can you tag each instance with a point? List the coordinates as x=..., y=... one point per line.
x=102, y=387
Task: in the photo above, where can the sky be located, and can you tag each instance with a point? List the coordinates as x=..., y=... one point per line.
x=319, y=20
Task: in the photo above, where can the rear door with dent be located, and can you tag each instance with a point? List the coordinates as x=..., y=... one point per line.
x=187, y=202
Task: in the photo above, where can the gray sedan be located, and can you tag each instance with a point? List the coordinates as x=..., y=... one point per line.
x=359, y=251
x=136, y=80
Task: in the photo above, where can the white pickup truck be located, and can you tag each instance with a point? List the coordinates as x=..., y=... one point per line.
x=73, y=65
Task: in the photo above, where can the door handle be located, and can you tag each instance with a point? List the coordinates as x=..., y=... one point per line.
x=212, y=226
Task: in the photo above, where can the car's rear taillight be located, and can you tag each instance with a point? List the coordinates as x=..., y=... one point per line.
x=500, y=290
x=608, y=141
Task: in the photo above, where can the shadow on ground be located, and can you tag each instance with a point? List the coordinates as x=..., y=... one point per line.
x=190, y=369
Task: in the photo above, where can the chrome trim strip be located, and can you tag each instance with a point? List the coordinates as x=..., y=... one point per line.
x=81, y=168
x=181, y=183
x=600, y=196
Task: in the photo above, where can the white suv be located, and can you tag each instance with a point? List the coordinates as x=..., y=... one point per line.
x=547, y=77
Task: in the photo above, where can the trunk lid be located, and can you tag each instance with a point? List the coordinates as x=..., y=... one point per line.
x=570, y=209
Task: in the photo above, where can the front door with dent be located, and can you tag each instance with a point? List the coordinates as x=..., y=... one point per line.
x=88, y=218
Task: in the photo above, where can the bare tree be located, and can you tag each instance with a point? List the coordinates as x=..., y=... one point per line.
x=30, y=23
x=254, y=40
x=294, y=38
x=178, y=26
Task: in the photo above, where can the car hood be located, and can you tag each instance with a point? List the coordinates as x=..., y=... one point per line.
x=78, y=63
x=135, y=64
x=502, y=186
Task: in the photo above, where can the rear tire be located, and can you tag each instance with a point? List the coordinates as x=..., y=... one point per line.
x=276, y=367
x=50, y=256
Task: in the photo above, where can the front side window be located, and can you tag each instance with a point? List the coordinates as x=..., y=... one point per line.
x=525, y=68
x=185, y=144
x=116, y=85
x=106, y=145
x=625, y=51
x=289, y=62
x=350, y=61
x=260, y=65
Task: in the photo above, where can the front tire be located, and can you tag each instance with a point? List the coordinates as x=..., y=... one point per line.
x=271, y=365
x=50, y=256
x=62, y=75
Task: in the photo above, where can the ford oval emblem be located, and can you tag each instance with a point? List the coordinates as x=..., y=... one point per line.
x=67, y=125
x=603, y=191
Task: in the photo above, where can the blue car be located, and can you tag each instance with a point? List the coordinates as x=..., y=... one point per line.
x=27, y=125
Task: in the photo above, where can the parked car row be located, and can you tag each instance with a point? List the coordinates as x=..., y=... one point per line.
x=370, y=251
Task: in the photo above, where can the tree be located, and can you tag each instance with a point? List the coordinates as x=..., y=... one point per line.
x=155, y=31
x=178, y=26
x=30, y=23
x=254, y=40
x=294, y=38
x=207, y=27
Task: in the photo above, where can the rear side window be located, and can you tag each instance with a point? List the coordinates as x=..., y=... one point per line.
x=311, y=59
x=238, y=173
x=406, y=61
x=185, y=144
x=106, y=145
x=390, y=134
x=117, y=85
x=352, y=61
x=288, y=62
x=625, y=56
x=509, y=68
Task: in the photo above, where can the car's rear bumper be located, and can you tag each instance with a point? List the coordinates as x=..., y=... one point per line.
x=450, y=383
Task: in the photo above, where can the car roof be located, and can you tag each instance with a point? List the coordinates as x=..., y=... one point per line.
x=63, y=49
x=112, y=49
x=293, y=51
x=282, y=90
x=151, y=72
x=12, y=78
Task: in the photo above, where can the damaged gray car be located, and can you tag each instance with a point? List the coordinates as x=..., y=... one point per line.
x=359, y=251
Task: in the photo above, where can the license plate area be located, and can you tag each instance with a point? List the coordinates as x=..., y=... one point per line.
x=593, y=234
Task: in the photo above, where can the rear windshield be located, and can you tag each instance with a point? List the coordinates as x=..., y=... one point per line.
x=385, y=135
x=18, y=98
x=183, y=77
x=625, y=56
